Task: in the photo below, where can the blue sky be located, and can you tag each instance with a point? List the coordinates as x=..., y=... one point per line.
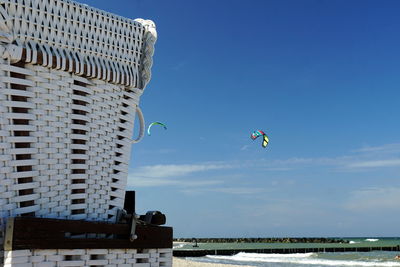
x=321, y=78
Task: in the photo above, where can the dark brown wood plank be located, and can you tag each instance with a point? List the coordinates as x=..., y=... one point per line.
x=40, y=233
x=54, y=226
x=129, y=203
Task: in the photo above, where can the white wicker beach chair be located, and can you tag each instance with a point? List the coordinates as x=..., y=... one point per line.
x=71, y=77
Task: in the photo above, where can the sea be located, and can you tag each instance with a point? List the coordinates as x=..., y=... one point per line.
x=372, y=258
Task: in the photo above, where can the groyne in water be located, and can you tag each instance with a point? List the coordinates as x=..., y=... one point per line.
x=263, y=240
x=204, y=252
x=197, y=247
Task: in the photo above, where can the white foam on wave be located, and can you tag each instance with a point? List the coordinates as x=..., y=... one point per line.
x=178, y=246
x=301, y=258
x=371, y=239
x=353, y=242
x=243, y=256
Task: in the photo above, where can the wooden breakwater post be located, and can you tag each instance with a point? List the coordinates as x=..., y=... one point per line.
x=204, y=252
x=71, y=78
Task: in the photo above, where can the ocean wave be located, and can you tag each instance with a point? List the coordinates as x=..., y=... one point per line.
x=247, y=255
x=178, y=246
x=371, y=239
x=353, y=242
x=300, y=258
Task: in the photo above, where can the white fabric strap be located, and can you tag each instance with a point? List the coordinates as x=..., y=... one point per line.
x=141, y=125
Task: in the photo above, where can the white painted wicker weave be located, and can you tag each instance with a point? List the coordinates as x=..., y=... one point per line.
x=113, y=48
x=89, y=257
x=66, y=143
x=71, y=77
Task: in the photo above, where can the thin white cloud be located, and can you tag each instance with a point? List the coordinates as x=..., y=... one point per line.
x=296, y=162
x=225, y=190
x=176, y=170
x=280, y=169
x=245, y=147
x=173, y=174
x=292, y=161
x=387, y=148
x=361, y=162
x=158, y=151
x=239, y=190
x=152, y=182
x=149, y=182
x=374, y=157
x=374, y=200
x=366, y=157
x=375, y=163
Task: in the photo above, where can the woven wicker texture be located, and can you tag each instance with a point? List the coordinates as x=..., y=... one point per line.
x=65, y=143
x=89, y=257
x=102, y=45
x=71, y=77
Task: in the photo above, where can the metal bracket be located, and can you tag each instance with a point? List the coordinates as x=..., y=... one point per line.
x=9, y=234
x=121, y=216
x=135, y=219
x=132, y=235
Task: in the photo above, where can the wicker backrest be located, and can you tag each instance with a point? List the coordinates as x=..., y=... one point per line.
x=77, y=38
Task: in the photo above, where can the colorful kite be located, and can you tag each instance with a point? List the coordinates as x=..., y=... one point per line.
x=155, y=123
x=258, y=133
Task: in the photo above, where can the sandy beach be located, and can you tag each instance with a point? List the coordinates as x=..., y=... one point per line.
x=182, y=262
